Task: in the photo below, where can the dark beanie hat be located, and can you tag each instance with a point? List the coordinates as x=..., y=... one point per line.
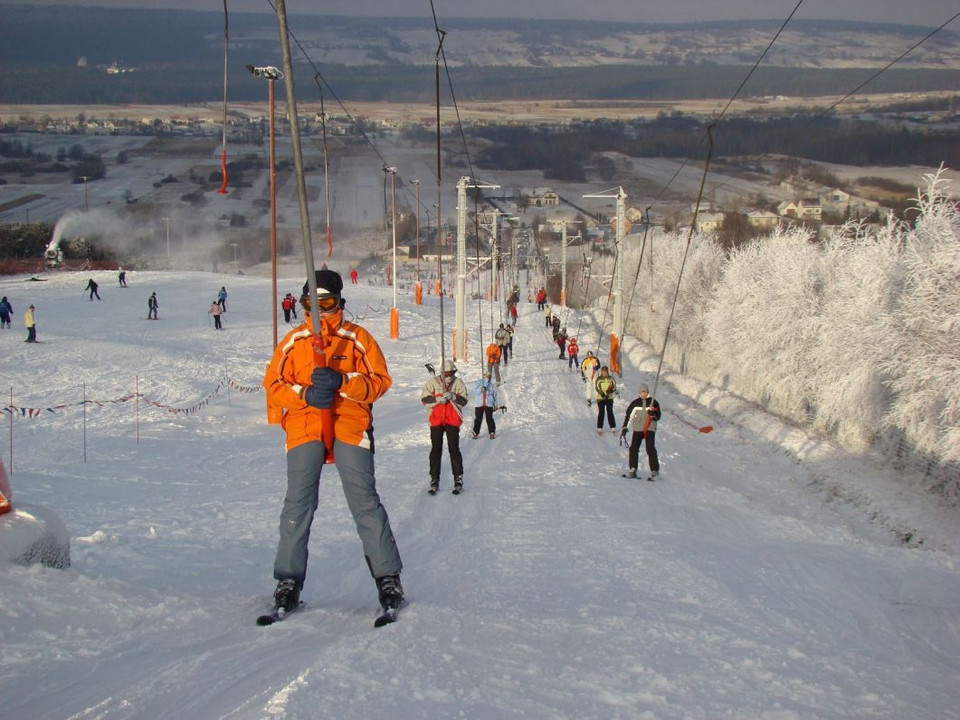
x=328, y=283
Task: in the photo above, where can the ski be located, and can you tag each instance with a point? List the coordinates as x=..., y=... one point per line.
x=387, y=617
x=277, y=615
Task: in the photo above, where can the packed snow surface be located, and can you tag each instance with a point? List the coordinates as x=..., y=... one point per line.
x=738, y=585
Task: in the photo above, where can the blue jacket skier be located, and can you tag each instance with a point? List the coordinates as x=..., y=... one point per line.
x=485, y=399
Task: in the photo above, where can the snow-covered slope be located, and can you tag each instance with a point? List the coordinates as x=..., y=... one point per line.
x=551, y=588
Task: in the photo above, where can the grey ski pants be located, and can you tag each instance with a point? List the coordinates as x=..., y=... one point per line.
x=355, y=465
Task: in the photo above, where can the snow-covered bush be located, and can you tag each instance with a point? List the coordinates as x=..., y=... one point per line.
x=649, y=301
x=860, y=282
x=763, y=320
x=923, y=329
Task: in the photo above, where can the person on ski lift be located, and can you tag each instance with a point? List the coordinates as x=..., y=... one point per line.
x=588, y=373
x=606, y=387
x=493, y=360
x=561, y=340
x=355, y=375
x=573, y=350
x=445, y=395
x=485, y=402
x=503, y=340
x=641, y=417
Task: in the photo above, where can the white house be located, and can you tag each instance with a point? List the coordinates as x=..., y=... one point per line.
x=709, y=221
x=541, y=196
x=763, y=219
x=787, y=208
x=810, y=209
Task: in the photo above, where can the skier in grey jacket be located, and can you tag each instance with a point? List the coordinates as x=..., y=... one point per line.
x=641, y=417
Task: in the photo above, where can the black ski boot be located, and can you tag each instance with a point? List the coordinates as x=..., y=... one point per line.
x=632, y=473
x=286, y=599
x=434, y=486
x=391, y=592
x=287, y=595
x=457, y=484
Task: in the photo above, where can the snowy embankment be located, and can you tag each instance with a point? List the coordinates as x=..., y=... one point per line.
x=551, y=588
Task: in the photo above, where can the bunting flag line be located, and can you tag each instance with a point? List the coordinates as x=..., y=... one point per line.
x=234, y=385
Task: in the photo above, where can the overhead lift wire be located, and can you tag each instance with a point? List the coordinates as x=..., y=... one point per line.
x=322, y=82
x=703, y=180
x=847, y=96
x=326, y=171
x=884, y=69
x=226, y=65
x=441, y=55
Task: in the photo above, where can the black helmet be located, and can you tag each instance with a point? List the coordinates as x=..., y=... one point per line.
x=329, y=284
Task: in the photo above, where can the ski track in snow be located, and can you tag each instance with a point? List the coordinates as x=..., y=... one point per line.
x=551, y=588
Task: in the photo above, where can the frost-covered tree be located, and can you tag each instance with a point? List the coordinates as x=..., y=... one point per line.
x=649, y=293
x=763, y=320
x=860, y=284
x=857, y=336
x=924, y=329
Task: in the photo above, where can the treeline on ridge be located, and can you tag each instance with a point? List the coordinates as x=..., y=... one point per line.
x=176, y=83
x=565, y=154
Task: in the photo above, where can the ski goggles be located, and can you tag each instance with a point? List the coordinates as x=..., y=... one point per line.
x=326, y=303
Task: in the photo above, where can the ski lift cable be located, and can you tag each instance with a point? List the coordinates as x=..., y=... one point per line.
x=606, y=307
x=884, y=68
x=636, y=278
x=866, y=82
x=733, y=97
x=326, y=171
x=757, y=63
x=226, y=58
x=683, y=263
x=441, y=55
x=321, y=81
x=441, y=35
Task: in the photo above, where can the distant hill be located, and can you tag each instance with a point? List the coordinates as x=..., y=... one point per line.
x=54, y=54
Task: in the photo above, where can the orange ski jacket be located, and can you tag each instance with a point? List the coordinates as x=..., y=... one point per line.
x=351, y=351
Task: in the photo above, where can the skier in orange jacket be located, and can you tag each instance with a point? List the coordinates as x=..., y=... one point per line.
x=493, y=360
x=355, y=376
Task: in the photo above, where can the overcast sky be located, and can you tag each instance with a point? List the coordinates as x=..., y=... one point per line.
x=930, y=13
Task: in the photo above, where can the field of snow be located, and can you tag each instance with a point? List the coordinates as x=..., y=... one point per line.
x=733, y=587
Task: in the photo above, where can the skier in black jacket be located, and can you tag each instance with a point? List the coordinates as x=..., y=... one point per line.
x=641, y=417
